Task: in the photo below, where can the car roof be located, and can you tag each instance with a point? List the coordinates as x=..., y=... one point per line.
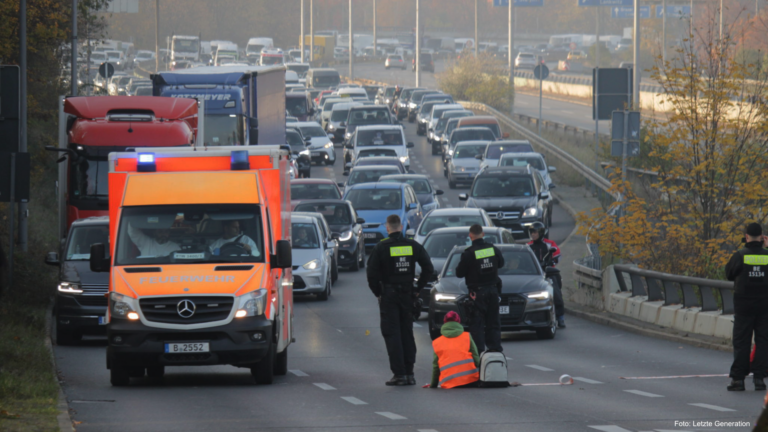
x=381, y=107
x=479, y=120
x=376, y=185
x=476, y=128
x=312, y=181
x=324, y=202
x=507, y=142
x=377, y=159
x=93, y=220
x=521, y=154
x=473, y=142
x=403, y=176
x=296, y=94
x=454, y=211
x=498, y=170
x=302, y=217
x=343, y=106
x=380, y=126
x=302, y=124
x=461, y=229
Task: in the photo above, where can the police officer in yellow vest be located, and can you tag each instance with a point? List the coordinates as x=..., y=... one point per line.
x=480, y=264
x=391, y=270
x=456, y=360
x=748, y=268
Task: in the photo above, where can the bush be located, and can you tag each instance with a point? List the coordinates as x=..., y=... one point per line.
x=478, y=79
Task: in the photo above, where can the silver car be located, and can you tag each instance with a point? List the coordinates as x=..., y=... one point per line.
x=312, y=258
x=525, y=61
x=318, y=143
x=449, y=217
x=463, y=165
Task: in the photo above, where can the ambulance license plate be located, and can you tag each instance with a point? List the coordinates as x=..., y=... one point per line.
x=369, y=235
x=187, y=347
x=503, y=310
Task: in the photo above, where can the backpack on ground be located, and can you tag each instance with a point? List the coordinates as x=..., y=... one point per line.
x=493, y=370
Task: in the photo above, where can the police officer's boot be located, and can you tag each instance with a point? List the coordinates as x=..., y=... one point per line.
x=561, y=322
x=412, y=380
x=401, y=380
x=759, y=384
x=737, y=385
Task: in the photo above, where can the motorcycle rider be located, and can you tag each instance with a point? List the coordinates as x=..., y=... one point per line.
x=541, y=248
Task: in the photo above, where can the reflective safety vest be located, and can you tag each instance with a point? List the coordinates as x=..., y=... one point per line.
x=457, y=367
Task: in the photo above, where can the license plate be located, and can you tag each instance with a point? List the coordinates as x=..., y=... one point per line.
x=369, y=235
x=504, y=310
x=102, y=320
x=187, y=347
x=317, y=154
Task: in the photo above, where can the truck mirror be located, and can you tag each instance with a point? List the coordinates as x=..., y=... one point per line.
x=283, y=258
x=253, y=131
x=99, y=264
x=52, y=258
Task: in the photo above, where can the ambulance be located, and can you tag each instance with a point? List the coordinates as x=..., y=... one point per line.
x=199, y=260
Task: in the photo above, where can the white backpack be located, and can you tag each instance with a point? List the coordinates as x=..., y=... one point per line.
x=493, y=370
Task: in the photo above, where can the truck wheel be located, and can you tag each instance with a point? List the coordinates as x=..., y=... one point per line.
x=119, y=376
x=156, y=371
x=66, y=337
x=281, y=363
x=264, y=371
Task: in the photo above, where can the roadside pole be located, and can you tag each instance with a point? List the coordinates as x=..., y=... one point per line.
x=596, y=86
x=351, y=45
x=73, y=51
x=510, y=44
x=636, y=59
x=11, y=221
x=664, y=31
x=417, y=49
x=301, y=46
x=476, y=42
x=23, y=212
x=541, y=84
x=375, y=51
x=311, y=31
x=157, y=35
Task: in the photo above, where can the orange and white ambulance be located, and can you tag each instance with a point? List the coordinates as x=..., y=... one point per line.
x=200, y=260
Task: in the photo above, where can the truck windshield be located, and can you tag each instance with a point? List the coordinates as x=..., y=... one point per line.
x=271, y=60
x=185, y=45
x=224, y=129
x=81, y=238
x=88, y=178
x=296, y=106
x=325, y=81
x=188, y=234
x=255, y=48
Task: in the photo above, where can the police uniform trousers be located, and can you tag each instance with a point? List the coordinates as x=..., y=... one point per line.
x=751, y=317
x=484, y=321
x=558, y=297
x=396, y=313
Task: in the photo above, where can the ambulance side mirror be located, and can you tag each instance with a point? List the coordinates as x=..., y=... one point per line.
x=283, y=257
x=99, y=263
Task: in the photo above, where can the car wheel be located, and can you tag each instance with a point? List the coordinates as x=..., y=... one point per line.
x=119, y=376
x=549, y=332
x=362, y=256
x=332, y=162
x=451, y=184
x=323, y=296
x=434, y=333
x=549, y=218
x=356, y=264
x=434, y=152
x=264, y=371
x=334, y=272
x=281, y=363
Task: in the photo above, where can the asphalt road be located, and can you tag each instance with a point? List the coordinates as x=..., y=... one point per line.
x=338, y=367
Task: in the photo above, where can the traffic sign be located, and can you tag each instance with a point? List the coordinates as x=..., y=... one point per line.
x=613, y=92
x=605, y=2
x=673, y=11
x=618, y=125
x=106, y=70
x=617, y=148
x=622, y=12
x=541, y=72
x=518, y=3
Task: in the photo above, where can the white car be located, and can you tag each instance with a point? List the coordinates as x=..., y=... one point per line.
x=536, y=160
x=526, y=61
x=318, y=143
x=312, y=258
x=369, y=137
x=325, y=111
x=449, y=217
x=435, y=114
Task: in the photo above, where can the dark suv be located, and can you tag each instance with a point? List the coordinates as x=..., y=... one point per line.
x=80, y=305
x=425, y=61
x=514, y=197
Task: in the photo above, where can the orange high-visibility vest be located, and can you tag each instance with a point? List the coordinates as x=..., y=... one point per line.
x=457, y=367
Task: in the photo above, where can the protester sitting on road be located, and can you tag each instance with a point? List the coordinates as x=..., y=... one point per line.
x=456, y=361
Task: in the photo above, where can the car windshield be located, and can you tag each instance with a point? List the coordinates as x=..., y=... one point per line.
x=516, y=262
x=437, y=112
x=375, y=199
x=370, y=115
x=328, y=105
x=499, y=186
x=88, y=178
x=417, y=96
x=534, y=161
x=493, y=127
x=385, y=137
x=443, y=122
x=460, y=135
x=304, y=236
x=294, y=140
x=496, y=150
x=370, y=175
x=224, y=129
x=143, y=91
x=296, y=106
x=187, y=234
x=313, y=131
x=440, y=245
x=304, y=191
x=271, y=59
x=469, y=151
x=339, y=115
x=334, y=214
x=442, y=221
x=325, y=81
x=451, y=126
x=420, y=186
x=98, y=56
x=185, y=45
x=81, y=238
x=113, y=54
x=376, y=152
x=427, y=107
x=390, y=91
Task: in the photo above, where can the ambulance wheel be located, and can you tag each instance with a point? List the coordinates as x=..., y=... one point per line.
x=547, y=333
x=119, y=376
x=264, y=371
x=281, y=363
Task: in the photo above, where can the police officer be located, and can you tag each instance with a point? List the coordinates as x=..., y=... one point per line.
x=480, y=264
x=748, y=267
x=391, y=269
x=540, y=247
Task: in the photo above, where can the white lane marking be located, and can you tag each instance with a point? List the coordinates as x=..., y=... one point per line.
x=610, y=428
x=416, y=325
x=325, y=386
x=642, y=393
x=712, y=407
x=586, y=380
x=391, y=416
x=298, y=372
x=541, y=368
x=354, y=400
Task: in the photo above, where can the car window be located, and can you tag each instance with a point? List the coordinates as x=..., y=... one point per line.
x=339, y=115
x=518, y=262
x=314, y=191
x=411, y=196
x=377, y=152
x=313, y=131
x=334, y=214
x=294, y=140
x=453, y=262
x=539, y=181
x=420, y=186
x=304, y=236
x=499, y=186
x=375, y=199
x=370, y=115
x=81, y=239
x=369, y=175
x=440, y=245
x=431, y=223
x=534, y=161
x=469, y=151
x=496, y=150
x=379, y=137
x=459, y=135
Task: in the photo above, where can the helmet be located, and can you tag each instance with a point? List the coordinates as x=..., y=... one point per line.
x=538, y=226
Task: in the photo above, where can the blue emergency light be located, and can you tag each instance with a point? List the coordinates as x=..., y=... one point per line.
x=239, y=160
x=146, y=163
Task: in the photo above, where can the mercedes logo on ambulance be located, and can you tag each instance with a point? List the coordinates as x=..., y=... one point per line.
x=186, y=308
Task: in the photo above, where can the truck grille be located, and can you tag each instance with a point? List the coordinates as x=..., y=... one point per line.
x=516, y=305
x=93, y=295
x=207, y=309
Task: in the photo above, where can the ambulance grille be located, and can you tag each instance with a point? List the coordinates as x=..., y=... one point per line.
x=206, y=309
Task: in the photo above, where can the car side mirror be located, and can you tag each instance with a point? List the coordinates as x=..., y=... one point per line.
x=330, y=244
x=397, y=123
x=439, y=192
x=505, y=135
x=551, y=169
x=343, y=124
x=479, y=157
x=463, y=197
x=283, y=258
x=340, y=184
x=335, y=236
x=360, y=221
x=409, y=145
x=413, y=206
x=345, y=173
x=307, y=138
x=348, y=166
x=552, y=186
x=52, y=258
x=411, y=233
x=349, y=146
x=99, y=264
x=544, y=195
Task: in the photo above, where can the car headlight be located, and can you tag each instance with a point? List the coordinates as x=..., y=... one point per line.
x=346, y=236
x=331, y=127
x=328, y=145
x=539, y=295
x=312, y=265
x=387, y=100
x=348, y=135
x=304, y=152
x=450, y=152
x=446, y=297
x=121, y=306
x=403, y=159
x=411, y=105
x=70, y=288
x=531, y=212
x=251, y=304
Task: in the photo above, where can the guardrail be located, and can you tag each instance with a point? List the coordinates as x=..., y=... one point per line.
x=675, y=289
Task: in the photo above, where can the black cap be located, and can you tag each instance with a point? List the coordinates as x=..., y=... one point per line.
x=754, y=230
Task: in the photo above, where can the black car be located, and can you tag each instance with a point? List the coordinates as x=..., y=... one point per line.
x=401, y=106
x=299, y=150
x=514, y=197
x=346, y=227
x=426, y=63
x=366, y=115
x=526, y=294
x=414, y=102
x=80, y=306
x=371, y=90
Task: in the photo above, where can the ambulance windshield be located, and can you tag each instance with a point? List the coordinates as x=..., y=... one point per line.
x=190, y=234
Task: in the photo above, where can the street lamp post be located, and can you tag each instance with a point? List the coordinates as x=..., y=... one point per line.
x=301, y=45
x=351, y=45
x=416, y=62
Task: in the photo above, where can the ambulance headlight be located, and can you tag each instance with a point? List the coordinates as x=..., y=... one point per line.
x=251, y=304
x=121, y=306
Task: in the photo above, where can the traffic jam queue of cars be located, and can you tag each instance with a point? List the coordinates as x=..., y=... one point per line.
x=165, y=216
